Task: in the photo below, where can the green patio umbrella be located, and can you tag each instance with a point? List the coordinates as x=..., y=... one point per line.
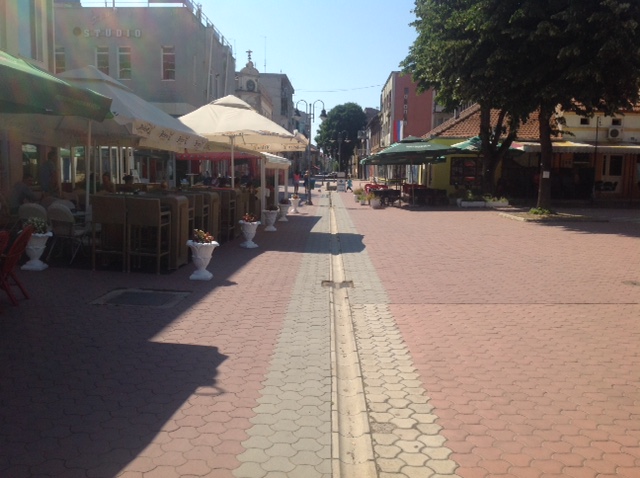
x=25, y=89
x=411, y=150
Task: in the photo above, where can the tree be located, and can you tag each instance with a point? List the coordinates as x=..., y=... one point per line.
x=343, y=121
x=584, y=56
x=459, y=51
x=519, y=56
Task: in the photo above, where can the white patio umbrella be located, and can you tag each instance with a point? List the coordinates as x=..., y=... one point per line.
x=231, y=120
x=135, y=122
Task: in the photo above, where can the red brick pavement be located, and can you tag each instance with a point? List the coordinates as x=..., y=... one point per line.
x=103, y=391
x=526, y=336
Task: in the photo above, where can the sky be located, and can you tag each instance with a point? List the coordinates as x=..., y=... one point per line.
x=335, y=51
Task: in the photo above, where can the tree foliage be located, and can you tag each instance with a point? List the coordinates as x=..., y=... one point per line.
x=519, y=56
x=343, y=121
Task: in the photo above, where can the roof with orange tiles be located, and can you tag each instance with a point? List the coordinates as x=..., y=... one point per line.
x=467, y=124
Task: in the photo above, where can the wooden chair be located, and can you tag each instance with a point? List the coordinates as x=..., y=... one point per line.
x=9, y=262
x=201, y=212
x=109, y=228
x=146, y=222
x=192, y=212
x=65, y=229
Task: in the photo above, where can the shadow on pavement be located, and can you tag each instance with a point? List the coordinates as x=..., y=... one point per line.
x=81, y=393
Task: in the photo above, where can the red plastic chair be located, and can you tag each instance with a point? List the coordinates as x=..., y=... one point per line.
x=9, y=262
x=4, y=240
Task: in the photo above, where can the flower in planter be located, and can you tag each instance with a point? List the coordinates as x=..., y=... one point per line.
x=284, y=201
x=202, y=237
x=248, y=217
x=39, y=225
x=272, y=207
x=295, y=196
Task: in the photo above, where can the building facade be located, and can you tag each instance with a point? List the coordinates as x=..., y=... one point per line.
x=403, y=111
x=26, y=31
x=178, y=67
x=281, y=92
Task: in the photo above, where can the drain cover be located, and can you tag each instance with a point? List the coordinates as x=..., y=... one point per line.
x=142, y=298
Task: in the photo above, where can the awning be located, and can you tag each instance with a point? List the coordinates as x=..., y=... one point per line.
x=575, y=147
x=411, y=150
x=25, y=89
x=276, y=162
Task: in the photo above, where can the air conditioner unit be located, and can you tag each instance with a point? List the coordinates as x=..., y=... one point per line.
x=615, y=133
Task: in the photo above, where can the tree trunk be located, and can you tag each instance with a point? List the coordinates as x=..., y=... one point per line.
x=546, y=155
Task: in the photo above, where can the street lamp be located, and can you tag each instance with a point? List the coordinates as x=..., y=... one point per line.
x=310, y=111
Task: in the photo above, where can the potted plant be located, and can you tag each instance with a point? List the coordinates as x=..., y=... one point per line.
x=202, y=245
x=357, y=192
x=270, y=214
x=249, y=223
x=375, y=201
x=294, y=203
x=471, y=199
x=37, y=243
x=283, y=204
x=492, y=201
x=365, y=198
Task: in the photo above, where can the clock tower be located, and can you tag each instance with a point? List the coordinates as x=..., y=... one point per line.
x=248, y=89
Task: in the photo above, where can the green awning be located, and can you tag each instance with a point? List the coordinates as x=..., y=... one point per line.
x=25, y=89
x=411, y=150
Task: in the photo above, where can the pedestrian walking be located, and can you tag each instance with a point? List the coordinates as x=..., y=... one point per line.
x=349, y=184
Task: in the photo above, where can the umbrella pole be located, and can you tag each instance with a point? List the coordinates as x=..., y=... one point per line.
x=263, y=181
x=233, y=167
x=87, y=169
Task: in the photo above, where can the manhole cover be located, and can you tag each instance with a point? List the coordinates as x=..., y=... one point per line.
x=142, y=298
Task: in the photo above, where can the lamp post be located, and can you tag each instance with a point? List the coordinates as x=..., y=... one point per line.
x=310, y=111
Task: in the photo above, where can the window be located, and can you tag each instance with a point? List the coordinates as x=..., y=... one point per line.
x=124, y=63
x=168, y=63
x=30, y=30
x=615, y=165
x=466, y=172
x=61, y=60
x=102, y=59
x=616, y=122
x=584, y=121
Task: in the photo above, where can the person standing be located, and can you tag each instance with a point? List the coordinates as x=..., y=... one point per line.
x=296, y=181
x=107, y=184
x=47, y=175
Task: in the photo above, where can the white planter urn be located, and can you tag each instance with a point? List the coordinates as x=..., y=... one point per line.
x=35, y=247
x=294, y=205
x=201, y=255
x=249, y=232
x=270, y=220
x=284, y=209
x=376, y=203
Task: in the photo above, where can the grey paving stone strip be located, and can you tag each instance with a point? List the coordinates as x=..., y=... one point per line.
x=406, y=439
x=291, y=432
x=291, y=435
